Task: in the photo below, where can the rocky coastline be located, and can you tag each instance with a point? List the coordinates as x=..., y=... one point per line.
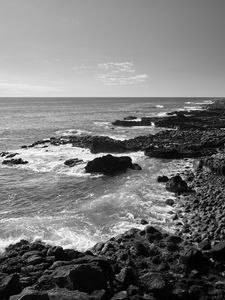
x=148, y=263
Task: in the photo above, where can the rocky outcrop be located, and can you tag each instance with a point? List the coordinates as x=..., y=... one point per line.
x=110, y=165
x=14, y=161
x=212, y=116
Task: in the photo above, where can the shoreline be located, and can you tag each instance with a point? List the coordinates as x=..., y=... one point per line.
x=140, y=264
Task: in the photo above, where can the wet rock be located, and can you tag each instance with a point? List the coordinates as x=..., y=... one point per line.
x=109, y=165
x=73, y=162
x=162, y=178
x=14, y=161
x=169, y=202
x=176, y=185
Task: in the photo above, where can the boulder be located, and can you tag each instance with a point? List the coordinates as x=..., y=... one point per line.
x=82, y=277
x=218, y=251
x=9, y=285
x=73, y=162
x=109, y=165
x=153, y=282
x=176, y=185
x=14, y=161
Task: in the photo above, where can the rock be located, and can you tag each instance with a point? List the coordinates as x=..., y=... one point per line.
x=143, y=222
x=169, y=202
x=73, y=162
x=30, y=294
x=9, y=285
x=120, y=296
x=130, y=118
x=162, y=152
x=136, y=167
x=106, y=144
x=109, y=165
x=154, y=282
x=34, y=260
x=14, y=161
x=162, y=178
x=64, y=294
x=83, y=277
x=176, y=185
x=218, y=251
x=194, y=259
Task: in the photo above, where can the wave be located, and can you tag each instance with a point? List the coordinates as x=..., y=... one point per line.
x=52, y=158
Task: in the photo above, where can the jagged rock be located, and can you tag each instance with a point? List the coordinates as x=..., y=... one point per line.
x=14, y=161
x=154, y=282
x=109, y=165
x=73, y=162
x=9, y=285
x=176, y=185
x=82, y=277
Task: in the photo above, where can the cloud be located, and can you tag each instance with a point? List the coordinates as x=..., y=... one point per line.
x=119, y=73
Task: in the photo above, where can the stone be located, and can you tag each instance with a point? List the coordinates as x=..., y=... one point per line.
x=162, y=178
x=9, y=285
x=109, y=165
x=153, y=282
x=14, y=161
x=176, y=185
x=169, y=202
x=218, y=251
x=34, y=260
x=120, y=296
x=83, y=277
x=73, y=162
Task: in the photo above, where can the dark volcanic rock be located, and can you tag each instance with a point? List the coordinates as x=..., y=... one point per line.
x=162, y=178
x=176, y=185
x=82, y=277
x=168, y=153
x=218, y=251
x=73, y=162
x=9, y=285
x=14, y=161
x=109, y=165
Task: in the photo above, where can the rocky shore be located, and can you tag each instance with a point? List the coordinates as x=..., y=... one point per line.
x=148, y=263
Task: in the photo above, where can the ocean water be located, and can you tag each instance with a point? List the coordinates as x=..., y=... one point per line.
x=65, y=206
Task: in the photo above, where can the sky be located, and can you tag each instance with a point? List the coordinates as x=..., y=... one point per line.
x=112, y=48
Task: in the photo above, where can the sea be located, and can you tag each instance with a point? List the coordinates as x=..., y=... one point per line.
x=46, y=200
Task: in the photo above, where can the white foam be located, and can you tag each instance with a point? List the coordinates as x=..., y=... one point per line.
x=52, y=158
x=159, y=106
